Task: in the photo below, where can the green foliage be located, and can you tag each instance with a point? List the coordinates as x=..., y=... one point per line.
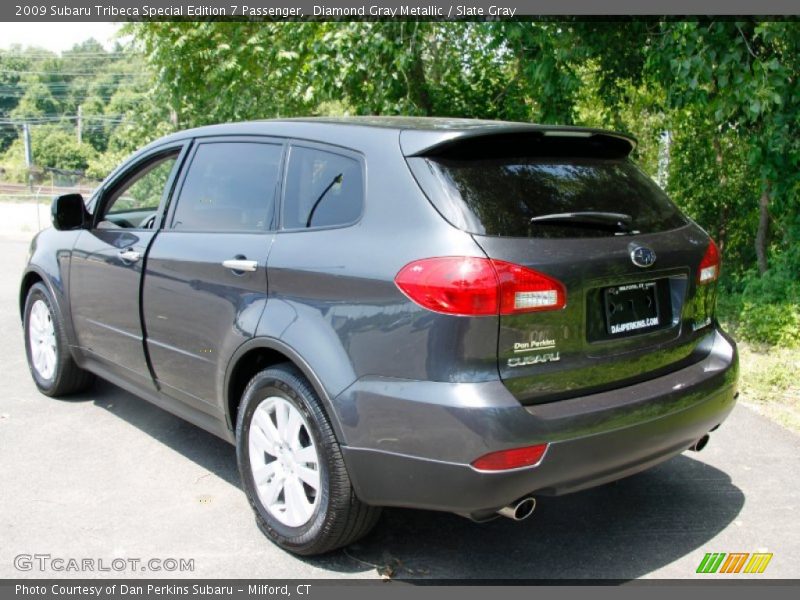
x=46, y=91
x=53, y=147
x=703, y=183
x=767, y=310
x=640, y=115
x=775, y=286
x=216, y=72
x=272, y=70
x=740, y=77
x=56, y=148
x=546, y=62
x=776, y=324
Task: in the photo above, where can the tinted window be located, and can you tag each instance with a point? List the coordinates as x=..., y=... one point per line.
x=501, y=196
x=322, y=189
x=140, y=195
x=230, y=186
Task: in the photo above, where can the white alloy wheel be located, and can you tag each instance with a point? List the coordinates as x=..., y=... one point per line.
x=284, y=462
x=42, y=338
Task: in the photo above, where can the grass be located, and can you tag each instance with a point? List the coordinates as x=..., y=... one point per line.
x=770, y=372
x=769, y=382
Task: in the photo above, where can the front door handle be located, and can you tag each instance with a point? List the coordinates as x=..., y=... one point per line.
x=129, y=255
x=240, y=265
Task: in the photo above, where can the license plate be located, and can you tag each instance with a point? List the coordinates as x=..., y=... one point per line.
x=631, y=308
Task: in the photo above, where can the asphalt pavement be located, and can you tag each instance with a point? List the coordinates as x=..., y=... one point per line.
x=105, y=475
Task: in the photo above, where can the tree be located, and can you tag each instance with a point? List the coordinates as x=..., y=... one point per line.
x=743, y=77
x=272, y=70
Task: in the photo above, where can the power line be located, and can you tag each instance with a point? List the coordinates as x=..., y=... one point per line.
x=62, y=116
x=64, y=92
x=63, y=84
x=8, y=88
x=75, y=99
x=65, y=55
x=51, y=84
x=67, y=84
x=73, y=74
x=42, y=88
x=67, y=73
x=78, y=97
x=53, y=119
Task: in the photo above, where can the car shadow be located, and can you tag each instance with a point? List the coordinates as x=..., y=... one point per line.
x=623, y=530
x=203, y=448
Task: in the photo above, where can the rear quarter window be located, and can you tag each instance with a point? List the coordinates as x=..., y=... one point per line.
x=322, y=189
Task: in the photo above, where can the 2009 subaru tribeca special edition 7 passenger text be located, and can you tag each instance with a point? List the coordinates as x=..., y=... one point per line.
x=443, y=314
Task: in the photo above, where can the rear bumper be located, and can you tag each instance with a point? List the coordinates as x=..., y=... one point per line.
x=410, y=443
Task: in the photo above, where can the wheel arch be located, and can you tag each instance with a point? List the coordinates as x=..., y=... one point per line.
x=34, y=275
x=29, y=278
x=258, y=354
x=70, y=376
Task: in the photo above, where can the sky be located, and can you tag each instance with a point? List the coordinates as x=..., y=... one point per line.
x=56, y=36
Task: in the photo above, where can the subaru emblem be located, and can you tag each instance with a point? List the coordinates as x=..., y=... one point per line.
x=642, y=256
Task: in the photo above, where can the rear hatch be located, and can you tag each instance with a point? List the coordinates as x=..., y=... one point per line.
x=572, y=206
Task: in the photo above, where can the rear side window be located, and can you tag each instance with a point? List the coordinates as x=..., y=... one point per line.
x=530, y=196
x=230, y=186
x=322, y=189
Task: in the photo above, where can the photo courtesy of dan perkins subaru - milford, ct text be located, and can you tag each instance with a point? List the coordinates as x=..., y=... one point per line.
x=122, y=589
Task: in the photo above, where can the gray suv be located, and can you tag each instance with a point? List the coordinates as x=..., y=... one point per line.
x=443, y=314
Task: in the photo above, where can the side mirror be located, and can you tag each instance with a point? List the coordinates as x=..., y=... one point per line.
x=69, y=212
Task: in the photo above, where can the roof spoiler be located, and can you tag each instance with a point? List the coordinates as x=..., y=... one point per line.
x=524, y=140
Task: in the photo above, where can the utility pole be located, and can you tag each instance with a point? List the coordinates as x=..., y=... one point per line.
x=80, y=123
x=26, y=140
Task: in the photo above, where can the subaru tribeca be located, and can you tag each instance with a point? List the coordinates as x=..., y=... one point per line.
x=442, y=314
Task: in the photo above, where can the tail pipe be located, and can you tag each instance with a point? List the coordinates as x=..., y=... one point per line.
x=519, y=510
x=699, y=444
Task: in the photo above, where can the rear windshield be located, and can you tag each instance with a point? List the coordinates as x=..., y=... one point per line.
x=534, y=196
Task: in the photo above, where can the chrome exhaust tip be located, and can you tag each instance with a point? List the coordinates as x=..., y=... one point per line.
x=699, y=444
x=519, y=510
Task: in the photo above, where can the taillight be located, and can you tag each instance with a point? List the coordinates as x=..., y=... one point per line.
x=453, y=285
x=525, y=290
x=709, y=266
x=469, y=286
x=515, y=458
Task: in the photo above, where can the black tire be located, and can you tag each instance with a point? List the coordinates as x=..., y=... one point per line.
x=67, y=377
x=339, y=518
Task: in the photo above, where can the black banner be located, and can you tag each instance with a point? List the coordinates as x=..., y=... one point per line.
x=126, y=10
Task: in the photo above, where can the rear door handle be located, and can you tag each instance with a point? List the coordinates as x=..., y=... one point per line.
x=241, y=265
x=129, y=255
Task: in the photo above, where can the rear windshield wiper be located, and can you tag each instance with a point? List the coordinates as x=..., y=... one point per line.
x=619, y=222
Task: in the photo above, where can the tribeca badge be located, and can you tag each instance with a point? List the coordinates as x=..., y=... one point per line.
x=736, y=562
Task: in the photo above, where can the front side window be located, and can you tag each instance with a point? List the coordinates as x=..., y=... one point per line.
x=230, y=186
x=135, y=202
x=323, y=189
